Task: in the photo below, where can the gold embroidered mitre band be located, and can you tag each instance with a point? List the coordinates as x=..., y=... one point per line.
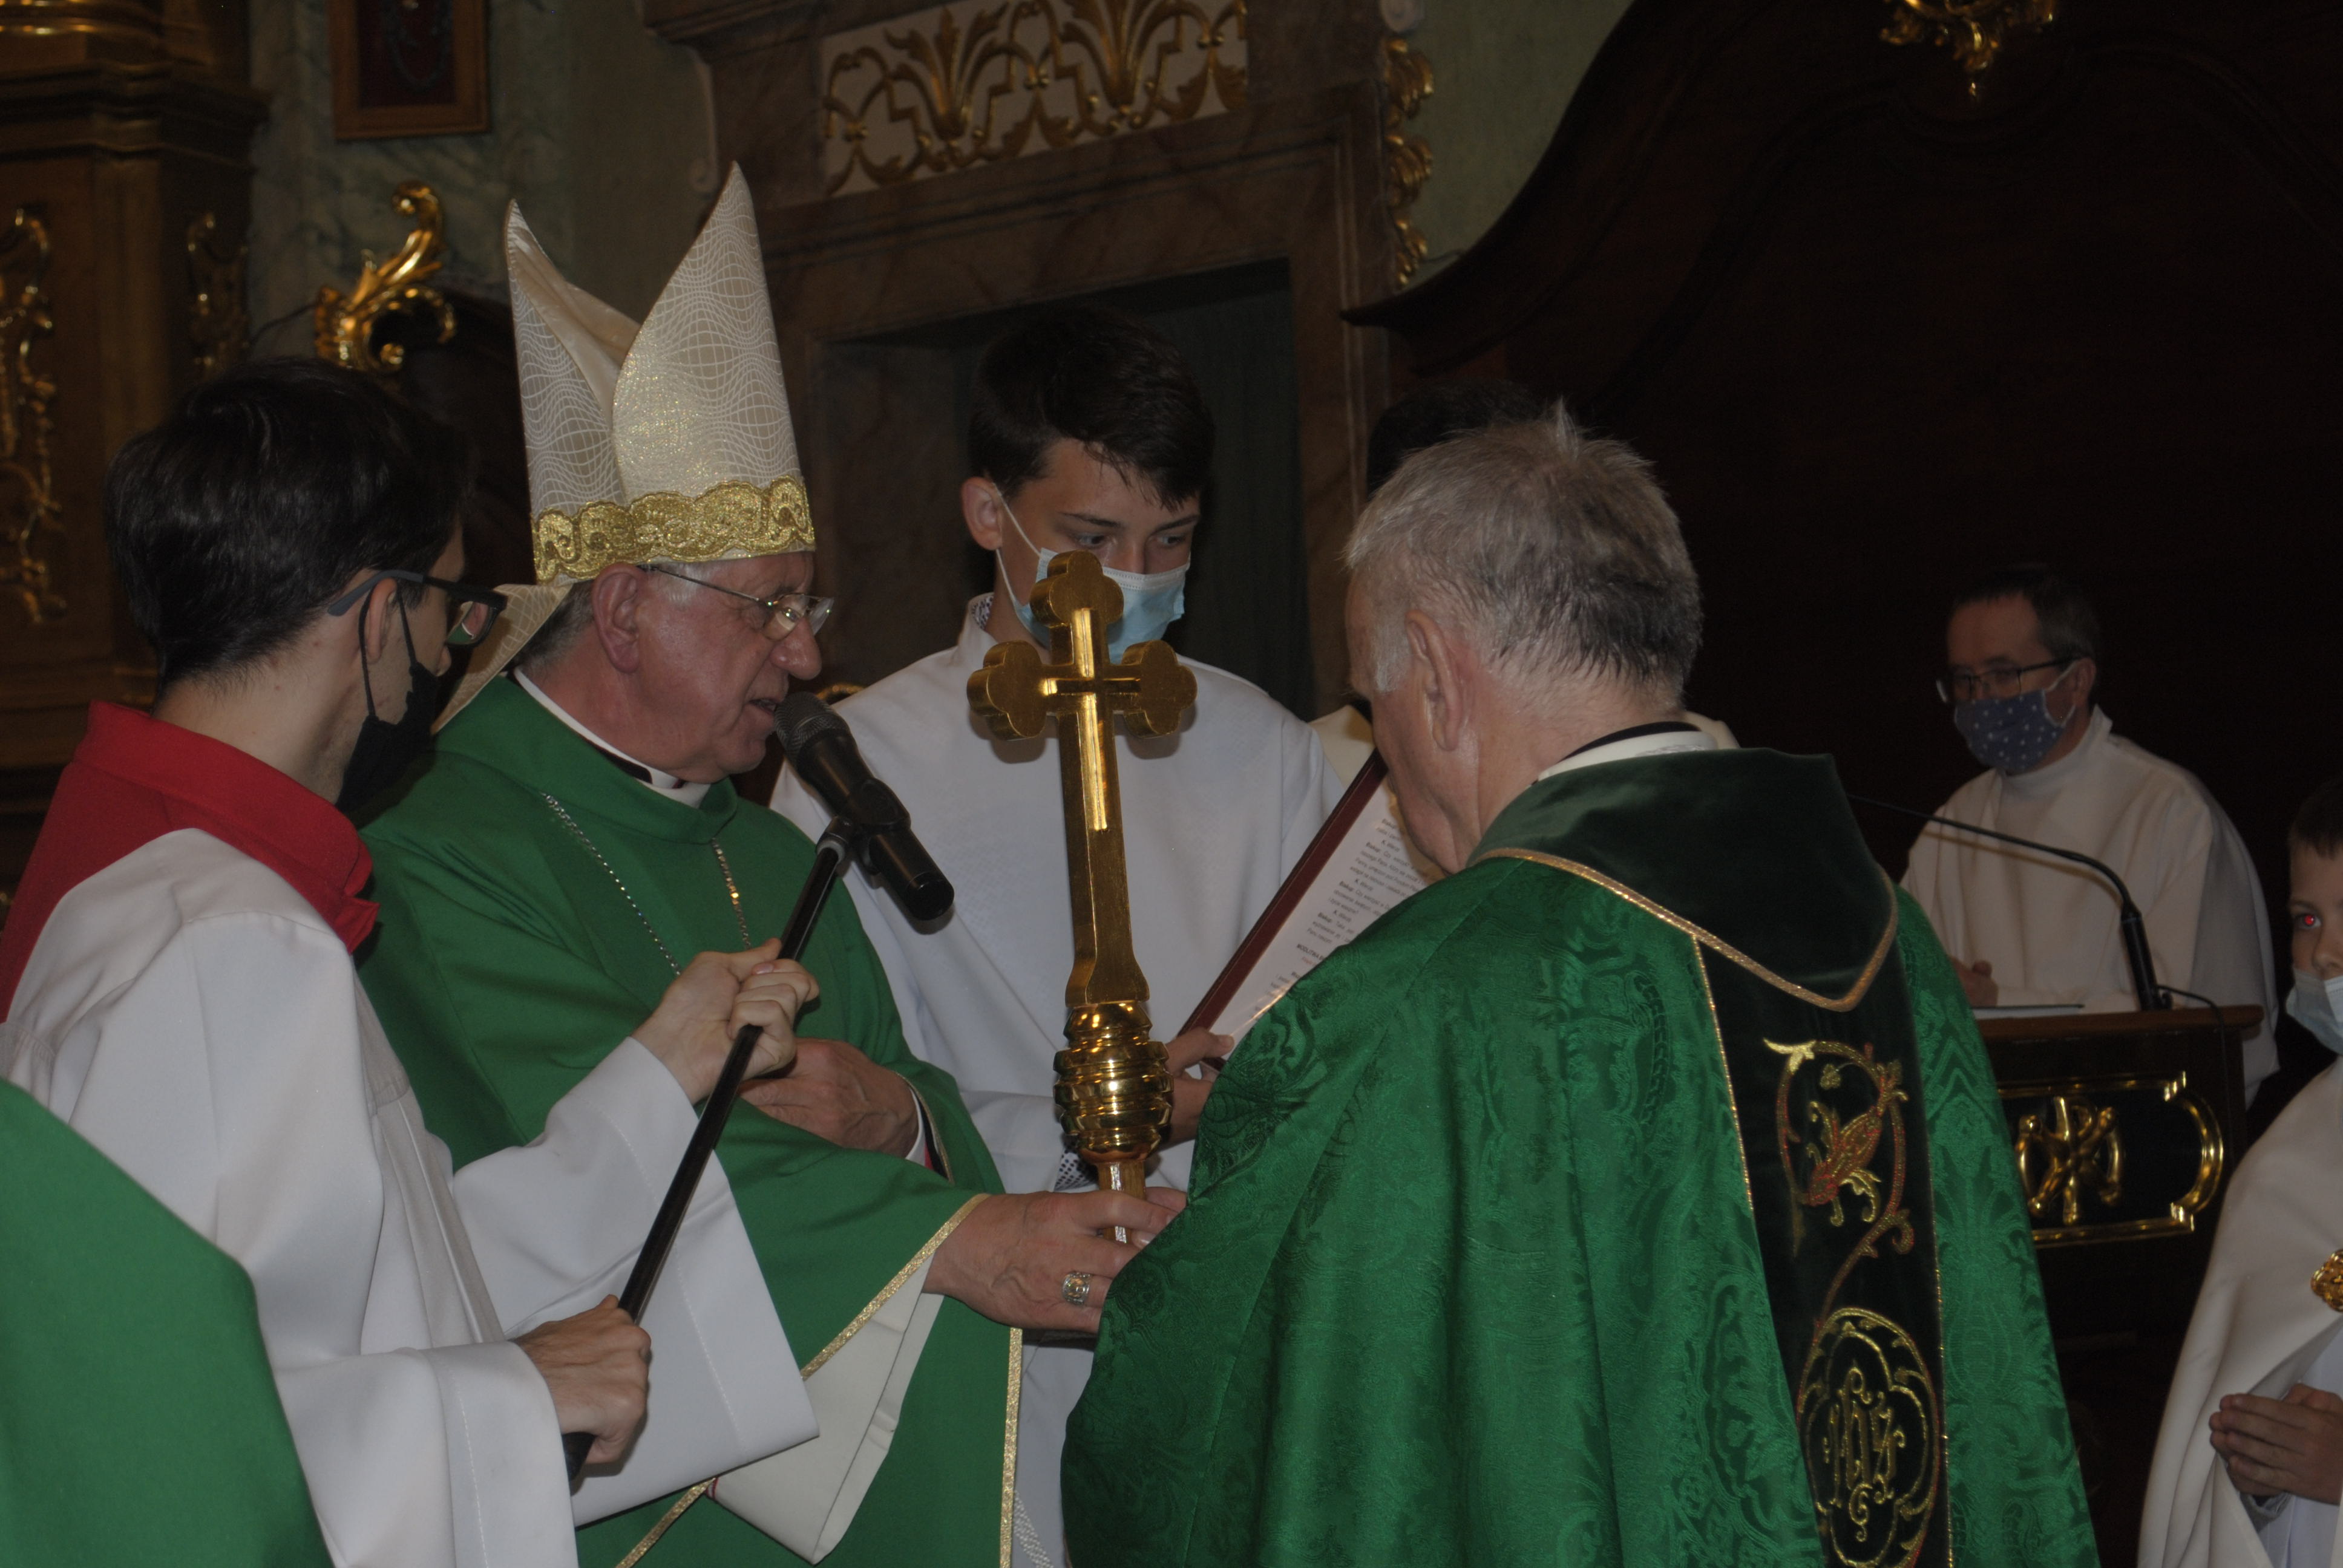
x=731, y=521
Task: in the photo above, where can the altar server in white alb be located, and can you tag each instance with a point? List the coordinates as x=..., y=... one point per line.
x=1087, y=433
x=2027, y=930
x=2248, y=1466
x=178, y=987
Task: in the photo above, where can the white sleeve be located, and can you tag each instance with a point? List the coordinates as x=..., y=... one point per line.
x=2229, y=958
x=227, y=1079
x=556, y=1224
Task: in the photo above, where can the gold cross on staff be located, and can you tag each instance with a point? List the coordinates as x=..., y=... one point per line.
x=1115, y=1091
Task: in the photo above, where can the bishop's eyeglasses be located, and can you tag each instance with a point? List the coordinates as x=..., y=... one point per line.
x=1995, y=680
x=784, y=613
x=471, y=609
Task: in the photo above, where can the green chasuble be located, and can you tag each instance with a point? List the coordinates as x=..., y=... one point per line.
x=1639, y=1195
x=138, y=1418
x=509, y=962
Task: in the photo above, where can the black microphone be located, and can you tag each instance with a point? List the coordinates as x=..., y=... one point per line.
x=821, y=752
x=2151, y=996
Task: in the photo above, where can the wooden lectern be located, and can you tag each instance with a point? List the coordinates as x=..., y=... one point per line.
x=2126, y=1127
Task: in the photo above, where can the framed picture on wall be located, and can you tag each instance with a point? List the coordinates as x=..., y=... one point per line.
x=409, y=68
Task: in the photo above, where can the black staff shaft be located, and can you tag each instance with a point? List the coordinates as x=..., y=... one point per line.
x=828, y=857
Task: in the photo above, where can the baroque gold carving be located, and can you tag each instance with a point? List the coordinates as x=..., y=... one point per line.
x=217, y=322
x=345, y=325
x=966, y=84
x=28, y=501
x=1407, y=158
x=1975, y=30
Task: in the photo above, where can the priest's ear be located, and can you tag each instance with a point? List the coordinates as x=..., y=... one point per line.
x=618, y=595
x=1439, y=666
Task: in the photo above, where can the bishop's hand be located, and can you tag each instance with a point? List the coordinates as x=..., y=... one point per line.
x=596, y=1366
x=716, y=997
x=834, y=1091
x=1012, y=1258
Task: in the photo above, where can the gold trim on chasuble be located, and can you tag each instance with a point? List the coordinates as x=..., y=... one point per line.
x=731, y=521
x=1864, y=1396
x=903, y=1275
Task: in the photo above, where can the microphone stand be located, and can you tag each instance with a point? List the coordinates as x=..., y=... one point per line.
x=838, y=845
x=2152, y=997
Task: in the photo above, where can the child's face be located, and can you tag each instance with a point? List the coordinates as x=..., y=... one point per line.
x=2315, y=914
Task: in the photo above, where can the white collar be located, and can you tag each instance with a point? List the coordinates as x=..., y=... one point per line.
x=2037, y=783
x=668, y=785
x=1660, y=745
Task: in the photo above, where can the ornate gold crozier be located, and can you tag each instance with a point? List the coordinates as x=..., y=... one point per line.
x=1114, y=1089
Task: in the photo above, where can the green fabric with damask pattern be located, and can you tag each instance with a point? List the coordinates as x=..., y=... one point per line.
x=1473, y=1270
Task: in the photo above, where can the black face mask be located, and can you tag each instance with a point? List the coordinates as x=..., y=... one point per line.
x=383, y=748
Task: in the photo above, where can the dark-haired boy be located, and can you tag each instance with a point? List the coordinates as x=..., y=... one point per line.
x=2262, y=1368
x=2025, y=929
x=1087, y=433
x=178, y=987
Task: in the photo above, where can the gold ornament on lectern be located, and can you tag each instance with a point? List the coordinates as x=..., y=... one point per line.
x=1114, y=1088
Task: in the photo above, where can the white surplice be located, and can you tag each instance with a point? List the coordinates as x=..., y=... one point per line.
x=2048, y=927
x=1213, y=816
x=2259, y=1329
x=195, y=1018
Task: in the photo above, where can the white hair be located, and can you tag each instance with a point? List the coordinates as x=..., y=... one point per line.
x=1553, y=551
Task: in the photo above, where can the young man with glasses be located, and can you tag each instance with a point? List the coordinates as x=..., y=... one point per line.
x=2026, y=929
x=178, y=986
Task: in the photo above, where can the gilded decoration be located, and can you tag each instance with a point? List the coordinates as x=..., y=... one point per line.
x=1407, y=158
x=344, y=324
x=731, y=521
x=216, y=323
x=2074, y=1143
x=1974, y=30
x=2069, y=1148
x=1867, y=1406
x=968, y=83
x=2328, y=1283
x=28, y=500
x=1113, y=1089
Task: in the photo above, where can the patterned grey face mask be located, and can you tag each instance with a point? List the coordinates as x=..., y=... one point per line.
x=2011, y=734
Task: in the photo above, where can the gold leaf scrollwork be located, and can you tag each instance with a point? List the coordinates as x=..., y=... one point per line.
x=28, y=501
x=344, y=324
x=217, y=322
x=2069, y=1147
x=1975, y=30
x=971, y=84
x=1407, y=158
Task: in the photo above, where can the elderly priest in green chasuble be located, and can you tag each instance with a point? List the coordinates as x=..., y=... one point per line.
x=574, y=839
x=1636, y=1194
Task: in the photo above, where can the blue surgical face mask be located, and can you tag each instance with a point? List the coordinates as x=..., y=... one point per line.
x=1151, y=601
x=2011, y=734
x=2317, y=1005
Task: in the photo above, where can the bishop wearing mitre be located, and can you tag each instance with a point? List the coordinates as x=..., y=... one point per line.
x=576, y=836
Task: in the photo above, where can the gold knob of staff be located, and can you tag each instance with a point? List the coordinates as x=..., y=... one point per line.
x=1115, y=1091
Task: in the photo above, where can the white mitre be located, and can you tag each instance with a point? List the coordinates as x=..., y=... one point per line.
x=666, y=442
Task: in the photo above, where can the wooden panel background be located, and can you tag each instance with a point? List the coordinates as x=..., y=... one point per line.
x=1878, y=337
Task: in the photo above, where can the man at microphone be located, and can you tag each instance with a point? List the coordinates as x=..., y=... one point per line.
x=2027, y=929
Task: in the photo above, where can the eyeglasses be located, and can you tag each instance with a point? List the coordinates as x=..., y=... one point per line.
x=1995, y=680
x=784, y=613
x=471, y=609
